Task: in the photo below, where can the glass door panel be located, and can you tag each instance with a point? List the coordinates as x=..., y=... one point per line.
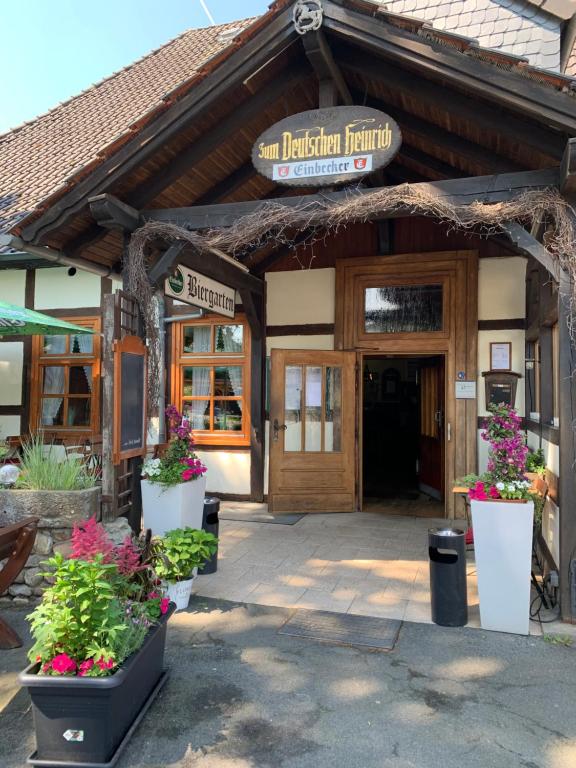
x=293, y=408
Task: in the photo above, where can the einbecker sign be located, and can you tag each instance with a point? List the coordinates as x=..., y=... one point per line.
x=193, y=288
x=326, y=146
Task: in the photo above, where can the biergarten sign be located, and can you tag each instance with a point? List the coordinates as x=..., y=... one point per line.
x=193, y=288
x=322, y=147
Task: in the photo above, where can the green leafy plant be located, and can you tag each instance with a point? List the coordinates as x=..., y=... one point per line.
x=535, y=462
x=565, y=640
x=82, y=626
x=42, y=469
x=179, y=551
x=3, y=449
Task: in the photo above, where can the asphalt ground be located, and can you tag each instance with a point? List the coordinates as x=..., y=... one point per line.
x=241, y=695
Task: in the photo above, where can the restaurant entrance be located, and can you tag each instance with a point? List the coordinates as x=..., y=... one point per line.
x=403, y=424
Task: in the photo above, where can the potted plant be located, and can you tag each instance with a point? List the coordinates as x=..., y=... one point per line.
x=502, y=515
x=97, y=659
x=174, y=484
x=176, y=559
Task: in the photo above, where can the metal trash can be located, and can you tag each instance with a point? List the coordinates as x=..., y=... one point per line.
x=210, y=524
x=448, y=596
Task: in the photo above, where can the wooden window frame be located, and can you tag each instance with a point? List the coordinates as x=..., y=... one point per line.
x=41, y=360
x=181, y=359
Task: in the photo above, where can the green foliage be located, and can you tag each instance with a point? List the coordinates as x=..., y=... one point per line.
x=181, y=550
x=535, y=462
x=80, y=614
x=565, y=640
x=3, y=449
x=42, y=469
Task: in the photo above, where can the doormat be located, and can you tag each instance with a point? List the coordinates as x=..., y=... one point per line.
x=343, y=629
x=250, y=516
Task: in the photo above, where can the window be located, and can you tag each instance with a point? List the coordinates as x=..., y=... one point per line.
x=403, y=309
x=211, y=379
x=66, y=381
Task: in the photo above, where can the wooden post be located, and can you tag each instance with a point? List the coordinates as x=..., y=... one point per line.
x=567, y=480
x=108, y=469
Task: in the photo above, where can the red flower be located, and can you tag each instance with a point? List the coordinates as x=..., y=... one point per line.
x=63, y=664
x=164, y=603
x=105, y=664
x=85, y=667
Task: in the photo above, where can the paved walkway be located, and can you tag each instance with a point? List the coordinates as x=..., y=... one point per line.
x=241, y=695
x=364, y=563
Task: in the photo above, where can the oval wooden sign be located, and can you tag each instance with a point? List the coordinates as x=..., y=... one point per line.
x=322, y=147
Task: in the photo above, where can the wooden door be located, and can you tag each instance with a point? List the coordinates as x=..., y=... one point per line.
x=312, y=431
x=431, y=441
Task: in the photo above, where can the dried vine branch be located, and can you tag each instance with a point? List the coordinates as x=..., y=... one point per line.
x=278, y=223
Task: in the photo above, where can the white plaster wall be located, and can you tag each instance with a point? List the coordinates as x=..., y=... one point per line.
x=228, y=471
x=299, y=342
x=518, y=355
x=13, y=286
x=11, y=357
x=501, y=288
x=303, y=296
x=9, y=425
x=55, y=289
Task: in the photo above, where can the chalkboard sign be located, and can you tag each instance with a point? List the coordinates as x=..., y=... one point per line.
x=129, y=398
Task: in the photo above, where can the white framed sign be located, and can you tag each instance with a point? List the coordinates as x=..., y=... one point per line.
x=200, y=291
x=465, y=390
x=500, y=356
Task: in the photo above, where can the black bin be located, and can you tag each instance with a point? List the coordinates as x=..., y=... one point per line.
x=210, y=524
x=449, y=600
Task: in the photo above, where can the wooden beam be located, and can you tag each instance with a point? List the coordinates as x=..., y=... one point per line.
x=541, y=103
x=528, y=244
x=221, y=270
x=254, y=105
x=567, y=415
x=164, y=267
x=228, y=185
x=250, y=304
x=568, y=169
x=111, y=213
x=487, y=189
x=266, y=43
x=446, y=141
x=414, y=155
x=434, y=95
x=257, y=398
x=320, y=56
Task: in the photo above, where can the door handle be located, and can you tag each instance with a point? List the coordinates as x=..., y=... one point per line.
x=448, y=432
x=277, y=427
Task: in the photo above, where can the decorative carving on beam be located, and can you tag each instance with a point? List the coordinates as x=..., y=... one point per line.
x=528, y=244
x=568, y=169
x=111, y=213
x=307, y=16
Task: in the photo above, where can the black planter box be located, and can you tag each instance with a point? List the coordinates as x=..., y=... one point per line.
x=86, y=721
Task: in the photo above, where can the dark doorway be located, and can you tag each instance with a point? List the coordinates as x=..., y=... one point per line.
x=403, y=434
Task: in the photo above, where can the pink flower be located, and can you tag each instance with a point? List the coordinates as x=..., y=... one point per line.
x=85, y=667
x=105, y=664
x=478, y=492
x=494, y=492
x=164, y=603
x=153, y=595
x=63, y=664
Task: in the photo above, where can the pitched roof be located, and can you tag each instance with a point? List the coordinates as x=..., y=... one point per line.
x=40, y=156
x=517, y=27
x=42, y=159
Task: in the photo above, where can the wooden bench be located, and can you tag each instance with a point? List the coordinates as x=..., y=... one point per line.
x=16, y=542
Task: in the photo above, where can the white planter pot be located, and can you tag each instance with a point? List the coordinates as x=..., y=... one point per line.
x=179, y=592
x=180, y=506
x=503, y=549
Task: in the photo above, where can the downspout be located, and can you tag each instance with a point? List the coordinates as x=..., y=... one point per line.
x=568, y=40
x=49, y=254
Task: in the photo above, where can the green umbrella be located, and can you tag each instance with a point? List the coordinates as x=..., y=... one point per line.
x=17, y=320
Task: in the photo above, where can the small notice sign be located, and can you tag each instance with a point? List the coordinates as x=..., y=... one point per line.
x=200, y=291
x=465, y=390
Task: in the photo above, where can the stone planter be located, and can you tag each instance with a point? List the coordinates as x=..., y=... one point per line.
x=57, y=512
